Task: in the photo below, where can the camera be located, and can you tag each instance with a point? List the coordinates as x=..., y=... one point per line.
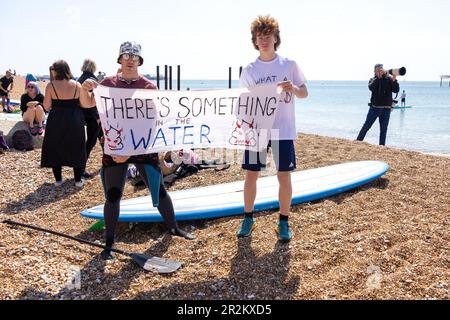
x=397, y=72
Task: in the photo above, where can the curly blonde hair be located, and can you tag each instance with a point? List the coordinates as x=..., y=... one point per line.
x=265, y=25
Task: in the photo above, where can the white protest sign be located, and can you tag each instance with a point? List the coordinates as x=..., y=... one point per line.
x=140, y=121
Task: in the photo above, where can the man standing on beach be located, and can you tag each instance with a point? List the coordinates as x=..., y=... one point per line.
x=269, y=67
x=5, y=88
x=114, y=168
x=382, y=87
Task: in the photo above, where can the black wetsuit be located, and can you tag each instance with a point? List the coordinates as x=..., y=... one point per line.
x=114, y=178
x=114, y=175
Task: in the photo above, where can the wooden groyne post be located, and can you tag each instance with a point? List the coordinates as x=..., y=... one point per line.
x=445, y=77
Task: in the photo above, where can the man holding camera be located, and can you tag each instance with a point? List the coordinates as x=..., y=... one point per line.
x=382, y=87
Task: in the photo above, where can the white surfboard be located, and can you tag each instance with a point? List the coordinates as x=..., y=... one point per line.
x=227, y=199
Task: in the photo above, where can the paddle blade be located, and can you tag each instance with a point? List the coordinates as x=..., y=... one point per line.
x=156, y=264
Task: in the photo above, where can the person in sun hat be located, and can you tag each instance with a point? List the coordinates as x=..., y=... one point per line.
x=131, y=48
x=114, y=168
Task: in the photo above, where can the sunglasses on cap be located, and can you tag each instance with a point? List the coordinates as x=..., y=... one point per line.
x=128, y=56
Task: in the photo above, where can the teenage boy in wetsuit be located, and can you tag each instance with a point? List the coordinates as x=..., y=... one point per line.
x=114, y=168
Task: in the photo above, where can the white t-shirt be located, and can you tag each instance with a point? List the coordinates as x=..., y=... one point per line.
x=277, y=70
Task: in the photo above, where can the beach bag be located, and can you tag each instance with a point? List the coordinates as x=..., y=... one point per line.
x=22, y=140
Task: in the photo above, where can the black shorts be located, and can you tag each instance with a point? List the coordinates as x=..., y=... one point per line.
x=3, y=94
x=283, y=154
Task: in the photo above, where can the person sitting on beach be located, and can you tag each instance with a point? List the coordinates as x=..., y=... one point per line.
x=114, y=168
x=269, y=67
x=64, y=141
x=32, y=106
x=91, y=116
x=403, y=97
x=382, y=86
x=6, y=86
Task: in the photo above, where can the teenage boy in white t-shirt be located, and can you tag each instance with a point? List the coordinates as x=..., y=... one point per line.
x=271, y=68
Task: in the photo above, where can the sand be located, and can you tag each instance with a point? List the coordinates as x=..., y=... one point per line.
x=386, y=240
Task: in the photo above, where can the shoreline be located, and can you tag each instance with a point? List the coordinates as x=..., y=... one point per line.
x=7, y=121
x=444, y=155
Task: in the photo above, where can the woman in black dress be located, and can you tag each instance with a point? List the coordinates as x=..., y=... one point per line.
x=64, y=141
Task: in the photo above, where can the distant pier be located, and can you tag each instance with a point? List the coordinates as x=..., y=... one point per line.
x=445, y=77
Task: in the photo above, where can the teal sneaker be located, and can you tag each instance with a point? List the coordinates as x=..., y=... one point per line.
x=246, y=228
x=284, y=232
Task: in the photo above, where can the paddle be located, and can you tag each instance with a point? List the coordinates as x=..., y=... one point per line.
x=149, y=263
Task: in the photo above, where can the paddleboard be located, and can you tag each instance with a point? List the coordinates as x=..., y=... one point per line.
x=227, y=199
x=405, y=107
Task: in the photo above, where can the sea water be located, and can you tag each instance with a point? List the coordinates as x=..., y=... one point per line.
x=339, y=109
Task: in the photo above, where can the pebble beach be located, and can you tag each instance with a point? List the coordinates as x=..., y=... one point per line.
x=388, y=239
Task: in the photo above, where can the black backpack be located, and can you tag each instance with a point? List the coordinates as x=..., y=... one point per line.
x=22, y=140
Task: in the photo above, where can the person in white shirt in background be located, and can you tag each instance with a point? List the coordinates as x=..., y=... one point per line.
x=403, y=97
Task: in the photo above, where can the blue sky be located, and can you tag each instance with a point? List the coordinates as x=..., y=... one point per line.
x=330, y=40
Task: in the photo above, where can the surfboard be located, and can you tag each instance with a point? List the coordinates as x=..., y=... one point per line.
x=14, y=102
x=226, y=199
